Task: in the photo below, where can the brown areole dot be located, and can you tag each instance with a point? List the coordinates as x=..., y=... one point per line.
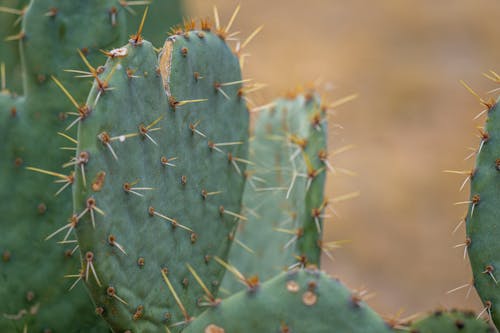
x=6, y=256
x=18, y=162
x=141, y=262
x=41, y=208
x=194, y=238
x=138, y=313
x=184, y=51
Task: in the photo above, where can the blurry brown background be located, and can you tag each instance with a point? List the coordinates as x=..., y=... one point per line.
x=411, y=121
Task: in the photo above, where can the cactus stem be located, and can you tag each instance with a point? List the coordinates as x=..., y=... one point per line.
x=89, y=259
x=187, y=318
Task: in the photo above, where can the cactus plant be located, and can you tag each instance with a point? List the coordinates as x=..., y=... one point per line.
x=159, y=177
x=482, y=217
x=283, y=196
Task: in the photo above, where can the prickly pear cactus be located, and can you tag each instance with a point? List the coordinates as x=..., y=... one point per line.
x=159, y=178
x=453, y=321
x=35, y=296
x=283, y=196
x=295, y=301
x=483, y=216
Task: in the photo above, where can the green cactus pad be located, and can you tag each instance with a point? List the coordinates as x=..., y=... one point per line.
x=163, y=153
x=283, y=196
x=295, y=301
x=483, y=217
x=453, y=321
x=33, y=269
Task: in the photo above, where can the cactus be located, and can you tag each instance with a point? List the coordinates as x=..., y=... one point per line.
x=283, y=196
x=159, y=177
x=303, y=300
x=448, y=322
x=482, y=217
x=33, y=269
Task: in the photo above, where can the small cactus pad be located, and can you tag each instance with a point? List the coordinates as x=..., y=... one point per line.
x=453, y=321
x=159, y=178
x=34, y=294
x=483, y=216
x=283, y=196
x=294, y=301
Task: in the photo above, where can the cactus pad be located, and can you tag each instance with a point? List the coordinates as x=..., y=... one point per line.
x=159, y=178
x=283, y=195
x=295, y=301
x=483, y=216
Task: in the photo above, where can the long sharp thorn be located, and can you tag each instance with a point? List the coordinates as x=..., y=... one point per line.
x=252, y=35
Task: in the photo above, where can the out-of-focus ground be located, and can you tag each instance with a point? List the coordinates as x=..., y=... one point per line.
x=411, y=121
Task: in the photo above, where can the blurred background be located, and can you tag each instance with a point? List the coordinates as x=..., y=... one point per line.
x=411, y=121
